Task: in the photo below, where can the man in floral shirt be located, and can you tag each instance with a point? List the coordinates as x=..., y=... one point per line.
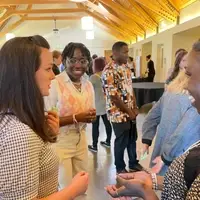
x=121, y=107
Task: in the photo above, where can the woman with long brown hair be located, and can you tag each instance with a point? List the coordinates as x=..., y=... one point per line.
x=179, y=65
x=28, y=164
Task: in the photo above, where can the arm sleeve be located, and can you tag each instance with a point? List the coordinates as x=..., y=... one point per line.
x=19, y=165
x=93, y=80
x=184, y=136
x=151, y=122
x=52, y=100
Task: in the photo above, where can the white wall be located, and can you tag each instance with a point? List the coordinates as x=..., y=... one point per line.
x=102, y=41
x=70, y=31
x=166, y=38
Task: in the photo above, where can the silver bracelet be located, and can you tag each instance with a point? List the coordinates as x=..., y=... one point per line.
x=154, y=181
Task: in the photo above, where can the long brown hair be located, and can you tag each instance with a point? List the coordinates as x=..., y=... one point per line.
x=19, y=93
x=176, y=69
x=179, y=84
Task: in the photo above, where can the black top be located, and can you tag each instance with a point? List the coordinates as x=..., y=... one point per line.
x=151, y=69
x=55, y=69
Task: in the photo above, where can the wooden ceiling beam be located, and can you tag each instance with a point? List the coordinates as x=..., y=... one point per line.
x=157, y=9
x=112, y=32
x=48, y=11
x=38, y=11
x=15, y=25
x=112, y=17
x=18, y=2
x=135, y=18
x=143, y=13
x=169, y=7
x=187, y=3
x=114, y=28
x=7, y=14
x=52, y=18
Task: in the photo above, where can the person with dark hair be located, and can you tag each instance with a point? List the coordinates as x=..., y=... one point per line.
x=29, y=166
x=73, y=96
x=131, y=65
x=178, y=51
x=150, y=69
x=57, y=60
x=182, y=180
x=121, y=107
x=180, y=64
x=94, y=56
x=100, y=104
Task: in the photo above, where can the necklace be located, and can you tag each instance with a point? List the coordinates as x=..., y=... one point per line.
x=77, y=86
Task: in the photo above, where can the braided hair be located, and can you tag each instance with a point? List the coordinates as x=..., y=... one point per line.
x=68, y=52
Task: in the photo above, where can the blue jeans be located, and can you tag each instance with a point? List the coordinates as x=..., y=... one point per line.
x=126, y=136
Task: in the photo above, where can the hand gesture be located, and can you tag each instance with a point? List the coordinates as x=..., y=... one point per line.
x=145, y=149
x=53, y=121
x=129, y=188
x=158, y=165
x=87, y=117
x=80, y=183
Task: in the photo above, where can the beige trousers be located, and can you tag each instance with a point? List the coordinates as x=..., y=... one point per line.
x=73, y=154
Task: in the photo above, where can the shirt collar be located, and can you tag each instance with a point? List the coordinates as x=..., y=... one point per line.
x=66, y=78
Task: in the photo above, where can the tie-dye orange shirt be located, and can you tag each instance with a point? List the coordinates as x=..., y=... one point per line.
x=118, y=80
x=67, y=99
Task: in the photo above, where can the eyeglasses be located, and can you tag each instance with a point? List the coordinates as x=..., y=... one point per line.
x=82, y=61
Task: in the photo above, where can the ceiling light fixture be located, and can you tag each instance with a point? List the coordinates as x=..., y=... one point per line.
x=87, y=23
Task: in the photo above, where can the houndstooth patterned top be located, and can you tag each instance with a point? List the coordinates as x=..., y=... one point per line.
x=175, y=186
x=28, y=166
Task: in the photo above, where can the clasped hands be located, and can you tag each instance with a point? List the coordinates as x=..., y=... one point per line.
x=130, y=185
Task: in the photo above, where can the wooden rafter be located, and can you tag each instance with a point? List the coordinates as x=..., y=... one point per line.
x=169, y=7
x=135, y=18
x=158, y=9
x=48, y=11
x=7, y=14
x=38, y=11
x=143, y=13
x=15, y=25
x=117, y=29
x=112, y=17
x=187, y=3
x=52, y=18
x=18, y=2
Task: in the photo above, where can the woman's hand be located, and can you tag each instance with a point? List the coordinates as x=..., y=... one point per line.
x=131, y=185
x=87, y=117
x=53, y=122
x=158, y=165
x=79, y=184
x=145, y=149
x=129, y=188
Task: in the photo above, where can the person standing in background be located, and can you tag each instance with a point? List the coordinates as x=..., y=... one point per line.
x=121, y=107
x=131, y=64
x=179, y=65
x=100, y=104
x=57, y=60
x=170, y=70
x=150, y=69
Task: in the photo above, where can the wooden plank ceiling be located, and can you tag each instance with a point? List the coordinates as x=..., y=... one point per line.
x=124, y=19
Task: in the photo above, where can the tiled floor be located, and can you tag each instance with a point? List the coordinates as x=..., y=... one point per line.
x=101, y=165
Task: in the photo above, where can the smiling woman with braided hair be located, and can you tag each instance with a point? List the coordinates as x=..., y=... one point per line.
x=73, y=96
